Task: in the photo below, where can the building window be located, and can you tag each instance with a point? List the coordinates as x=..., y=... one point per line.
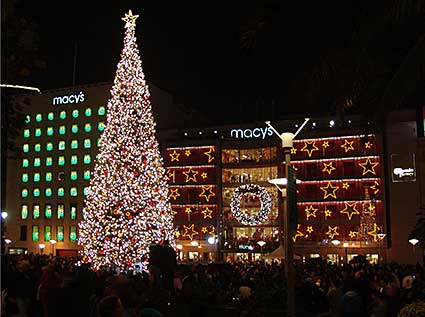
x=74, y=144
x=61, y=145
x=37, y=132
x=73, y=211
x=98, y=142
x=48, y=192
x=74, y=175
x=88, y=112
x=25, y=162
x=61, y=176
x=37, y=147
x=75, y=113
x=36, y=192
x=37, y=161
x=61, y=191
x=24, y=193
x=61, y=160
x=85, y=190
x=38, y=117
x=48, y=211
x=49, y=161
x=62, y=114
x=23, y=233
x=50, y=116
x=35, y=233
x=24, y=212
x=62, y=130
x=60, y=211
x=36, y=211
x=49, y=146
x=87, y=127
x=26, y=148
x=73, y=233
x=27, y=118
x=74, y=159
x=36, y=177
x=59, y=233
x=101, y=111
x=27, y=133
x=24, y=177
x=47, y=233
x=48, y=176
x=87, y=158
x=101, y=126
x=73, y=191
x=74, y=128
x=86, y=175
x=87, y=143
x=50, y=131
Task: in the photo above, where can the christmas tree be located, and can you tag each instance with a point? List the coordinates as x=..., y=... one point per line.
x=127, y=208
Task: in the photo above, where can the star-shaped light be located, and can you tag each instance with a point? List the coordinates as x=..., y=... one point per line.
x=207, y=213
x=298, y=234
x=177, y=233
x=310, y=211
x=348, y=145
x=207, y=192
x=187, y=153
x=204, y=175
x=368, y=145
x=192, y=232
x=188, y=210
x=368, y=166
x=375, y=187
x=174, y=156
x=350, y=210
x=172, y=175
x=190, y=175
x=325, y=144
x=173, y=212
x=371, y=207
x=309, y=229
x=212, y=230
x=309, y=147
x=174, y=193
x=374, y=232
x=204, y=230
x=210, y=154
x=345, y=185
x=130, y=19
x=328, y=213
x=293, y=150
x=353, y=234
x=328, y=167
x=332, y=232
x=329, y=190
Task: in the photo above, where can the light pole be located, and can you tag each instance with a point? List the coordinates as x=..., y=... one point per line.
x=287, y=143
x=261, y=243
x=414, y=242
x=41, y=246
x=345, y=252
x=53, y=242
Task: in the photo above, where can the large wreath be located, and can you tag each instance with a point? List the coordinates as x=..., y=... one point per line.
x=235, y=204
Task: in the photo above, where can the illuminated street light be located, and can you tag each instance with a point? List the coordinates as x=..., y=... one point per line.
x=413, y=241
x=335, y=242
x=194, y=243
x=7, y=241
x=261, y=243
x=212, y=240
x=179, y=247
x=4, y=214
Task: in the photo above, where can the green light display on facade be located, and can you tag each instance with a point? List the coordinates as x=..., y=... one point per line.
x=25, y=162
x=88, y=112
x=73, y=212
x=34, y=233
x=37, y=147
x=73, y=191
x=75, y=113
x=85, y=190
x=37, y=161
x=74, y=144
x=86, y=175
x=59, y=233
x=50, y=131
x=24, y=193
x=37, y=132
x=74, y=175
x=27, y=119
x=38, y=117
x=62, y=114
x=24, y=212
x=61, y=211
x=50, y=116
x=24, y=177
x=61, y=160
x=48, y=176
x=36, y=192
x=36, y=211
x=49, y=161
x=47, y=233
x=36, y=177
x=74, y=128
x=26, y=148
x=27, y=133
x=48, y=211
x=48, y=192
x=61, y=145
x=87, y=143
x=87, y=127
x=101, y=126
x=61, y=191
x=74, y=159
x=49, y=146
x=62, y=130
x=101, y=111
x=73, y=233
x=87, y=158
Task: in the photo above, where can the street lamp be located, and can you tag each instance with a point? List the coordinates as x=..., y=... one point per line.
x=261, y=243
x=4, y=214
x=345, y=252
x=414, y=241
x=41, y=246
x=53, y=242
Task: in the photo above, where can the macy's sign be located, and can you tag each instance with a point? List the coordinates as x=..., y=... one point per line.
x=251, y=133
x=63, y=100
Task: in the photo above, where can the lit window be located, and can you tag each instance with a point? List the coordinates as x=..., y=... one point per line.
x=75, y=113
x=59, y=233
x=36, y=192
x=73, y=191
x=98, y=142
x=27, y=133
x=62, y=129
x=87, y=143
x=36, y=211
x=61, y=176
x=25, y=162
x=37, y=147
x=62, y=114
x=87, y=159
x=48, y=176
x=101, y=126
x=48, y=211
x=24, y=212
x=61, y=160
x=73, y=233
x=49, y=131
x=38, y=117
x=87, y=127
x=74, y=128
x=61, y=145
x=73, y=212
x=74, y=144
x=61, y=211
x=24, y=193
x=37, y=161
x=26, y=148
x=86, y=174
x=49, y=146
x=49, y=161
x=74, y=159
x=24, y=177
x=61, y=191
x=48, y=192
x=74, y=175
x=34, y=233
x=85, y=190
x=88, y=112
x=37, y=132
x=50, y=116
x=27, y=118
x=36, y=177
x=47, y=233
x=101, y=111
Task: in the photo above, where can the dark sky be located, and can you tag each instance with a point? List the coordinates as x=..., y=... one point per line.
x=191, y=49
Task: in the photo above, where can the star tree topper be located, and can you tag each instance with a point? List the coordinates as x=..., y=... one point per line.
x=130, y=19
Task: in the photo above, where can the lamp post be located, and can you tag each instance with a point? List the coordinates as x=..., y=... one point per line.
x=41, y=246
x=345, y=252
x=414, y=242
x=53, y=242
x=261, y=243
x=287, y=143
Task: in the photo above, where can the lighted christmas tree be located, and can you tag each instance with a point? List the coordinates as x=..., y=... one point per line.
x=127, y=208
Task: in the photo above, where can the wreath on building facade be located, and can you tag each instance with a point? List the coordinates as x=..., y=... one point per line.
x=240, y=215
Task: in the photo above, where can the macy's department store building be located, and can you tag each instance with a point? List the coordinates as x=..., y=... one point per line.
x=359, y=190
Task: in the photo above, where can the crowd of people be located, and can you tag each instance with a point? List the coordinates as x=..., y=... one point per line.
x=47, y=286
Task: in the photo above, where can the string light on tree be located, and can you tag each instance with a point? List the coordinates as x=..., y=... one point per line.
x=127, y=206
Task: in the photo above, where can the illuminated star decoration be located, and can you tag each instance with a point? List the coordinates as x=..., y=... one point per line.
x=374, y=232
x=328, y=167
x=207, y=213
x=325, y=144
x=309, y=229
x=350, y=210
x=210, y=154
x=309, y=147
x=345, y=185
x=174, y=156
x=207, y=192
x=375, y=187
x=204, y=230
x=298, y=234
x=187, y=153
x=328, y=213
x=190, y=175
x=371, y=207
x=204, y=175
x=174, y=193
x=348, y=145
x=329, y=190
x=192, y=232
x=310, y=211
x=293, y=150
x=353, y=234
x=368, y=145
x=212, y=230
x=368, y=166
x=173, y=212
x=172, y=175
x=177, y=233
x=332, y=232
x=188, y=211
x=130, y=19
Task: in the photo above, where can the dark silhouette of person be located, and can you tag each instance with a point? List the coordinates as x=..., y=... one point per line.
x=167, y=266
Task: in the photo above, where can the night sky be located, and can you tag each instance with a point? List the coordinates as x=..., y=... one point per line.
x=194, y=50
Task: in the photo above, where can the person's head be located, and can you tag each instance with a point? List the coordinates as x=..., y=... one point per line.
x=110, y=306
